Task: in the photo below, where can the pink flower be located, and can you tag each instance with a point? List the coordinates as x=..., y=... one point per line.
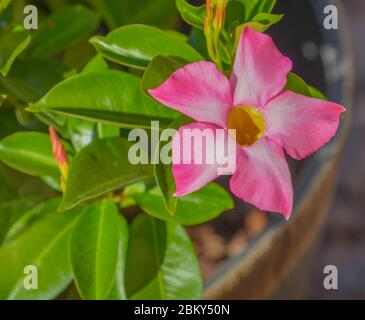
x=267, y=119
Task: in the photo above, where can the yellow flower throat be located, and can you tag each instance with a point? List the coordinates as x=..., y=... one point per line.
x=249, y=124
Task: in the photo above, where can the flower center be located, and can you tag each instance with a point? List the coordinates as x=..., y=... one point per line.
x=248, y=123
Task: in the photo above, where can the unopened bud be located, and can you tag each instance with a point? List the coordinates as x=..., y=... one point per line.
x=220, y=14
x=60, y=154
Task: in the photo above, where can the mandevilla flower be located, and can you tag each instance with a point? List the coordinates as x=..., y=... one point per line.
x=267, y=120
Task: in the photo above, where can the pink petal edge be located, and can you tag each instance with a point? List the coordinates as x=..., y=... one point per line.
x=301, y=125
x=260, y=70
x=198, y=90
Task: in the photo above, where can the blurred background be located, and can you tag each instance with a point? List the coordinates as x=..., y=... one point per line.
x=344, y=237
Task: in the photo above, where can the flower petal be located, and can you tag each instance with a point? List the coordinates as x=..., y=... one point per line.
x=260, y=70
x=262, y=178
x=300, y=124
x=199, y=91
x=201, y=159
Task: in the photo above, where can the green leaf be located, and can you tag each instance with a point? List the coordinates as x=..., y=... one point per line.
x=163, y=173
x=254, y=7
x=107, y=96
x=94, y=250
x=30, y=153
x=264, y=6
x=81, y=132
x=161, y=263
x=55, y=121
x=63, y=28
x=99, y=168
x=45, y=245
x=29, y=80
x=107, y=131
x=118, y=291
x=315, y=93
x=136, y=45
x=96, y=63
x=18, y=194
x=31, y=216
x=201, y=206
x=191, y=14
x=11, y=46
x=267, y=19
x=160, y=69
x=260, y=23
x=297, y=85
x=166, y=184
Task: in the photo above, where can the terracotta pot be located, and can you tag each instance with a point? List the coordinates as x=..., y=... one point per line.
x=276, y=264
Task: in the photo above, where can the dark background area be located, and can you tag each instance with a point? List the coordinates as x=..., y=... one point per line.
x=344, y=235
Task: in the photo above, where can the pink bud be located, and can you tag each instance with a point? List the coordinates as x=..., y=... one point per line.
x=60, y=154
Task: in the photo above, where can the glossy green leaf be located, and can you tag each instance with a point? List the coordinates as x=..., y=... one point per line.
x=267, y=19
x=99, y=168
x=104, y=130
x=44, y=245
x=29, y=152
x=163, y=172
x=160, y=69
x=31, y=216
x=118, y=291
x=260, y=23
x=56, y=121
x=107, y=96
x=81, y=132
x=63, y=28
x=11, y=46
x=254, y=7
x=107, y=131
x=94, y=250
x=315, y=93
x=297, y=85
x=136, y=46
x=29, y=80
x=96, y=63
x=191, y=14
x=166, y=184
x=161, y=263
x=196, y=208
